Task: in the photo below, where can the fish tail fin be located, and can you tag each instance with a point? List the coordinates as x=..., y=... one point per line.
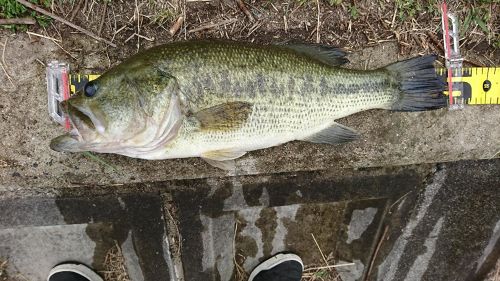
x=421, y=88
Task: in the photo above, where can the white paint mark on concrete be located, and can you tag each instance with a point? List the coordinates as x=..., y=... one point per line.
x=284, y=212
x=351, y=272
x=264, y=198
x=251, y=215
x=208, y=259
x=387, y=269
x=131, y=259
x=491, y=245
x=248, y=165
x=214, y=185
x=236, y=201
x=360, y=220
x=299, y=193
x=121, y=202
x=217, y=240
x=421, y=263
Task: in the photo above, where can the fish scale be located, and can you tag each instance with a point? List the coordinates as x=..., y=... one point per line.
x=287, y=111
x=219, y=100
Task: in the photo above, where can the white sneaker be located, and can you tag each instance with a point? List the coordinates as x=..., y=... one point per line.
x=72, y=272
x=280, y=267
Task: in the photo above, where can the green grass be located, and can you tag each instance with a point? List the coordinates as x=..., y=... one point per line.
x=12, y=9
x=164, y=16
x=479, y=15
x=470, y=13
x=353, y=11
x=98, y=159
x=334, y=2
x=410, y=8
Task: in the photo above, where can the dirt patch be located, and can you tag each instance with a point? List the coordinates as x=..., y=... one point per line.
x=114, y=265
x=322, y=272
x=494, y=275
x=134, y=25
x=4, y=276
x=174, y=237
x=3, y=270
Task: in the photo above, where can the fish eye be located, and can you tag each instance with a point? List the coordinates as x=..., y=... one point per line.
x=90, y=89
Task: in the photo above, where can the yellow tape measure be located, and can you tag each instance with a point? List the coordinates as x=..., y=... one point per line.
x=78, y=81
x=480, y=85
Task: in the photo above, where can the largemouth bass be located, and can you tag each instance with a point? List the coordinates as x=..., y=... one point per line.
x=219, y=100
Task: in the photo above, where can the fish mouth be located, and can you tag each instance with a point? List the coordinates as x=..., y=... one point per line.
x=85, y=128
x=66, y=143
x=78, y=118
x=84, y=119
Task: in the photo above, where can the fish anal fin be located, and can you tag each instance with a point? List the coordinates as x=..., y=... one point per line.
x=223, y=154
x=224, y=116
x=334, y=134
x=326, y=54
x=223, y=158
x=228, y=165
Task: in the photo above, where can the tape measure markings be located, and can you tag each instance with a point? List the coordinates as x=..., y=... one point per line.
x=478, y=84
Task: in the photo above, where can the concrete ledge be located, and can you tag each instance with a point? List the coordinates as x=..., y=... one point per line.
x=389, y=138
x=428, y=222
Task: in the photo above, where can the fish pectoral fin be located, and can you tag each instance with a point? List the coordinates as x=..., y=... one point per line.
x=326, y=54
x=224, y=116
x=334, y=134
x=223, y=159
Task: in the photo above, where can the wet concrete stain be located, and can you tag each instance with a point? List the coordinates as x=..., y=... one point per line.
x=421, y=263
x=320, y=220
x=360, y=249
x=111, y=218
x=389, y=267
x=195, y=199
x=252, y=235
x=279, y=213
x=461, y=201
x=297, y=188
x=267, y=223
x=493, y=244
x=283, y=214
x=236, y=200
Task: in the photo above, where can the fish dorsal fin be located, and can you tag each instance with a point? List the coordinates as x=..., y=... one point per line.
x=223, y=158
x=224, y=116
x=334, y=134
x=326, y=54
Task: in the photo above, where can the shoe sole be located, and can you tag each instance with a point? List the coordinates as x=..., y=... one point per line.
x=274, y=261
x=76, y=268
